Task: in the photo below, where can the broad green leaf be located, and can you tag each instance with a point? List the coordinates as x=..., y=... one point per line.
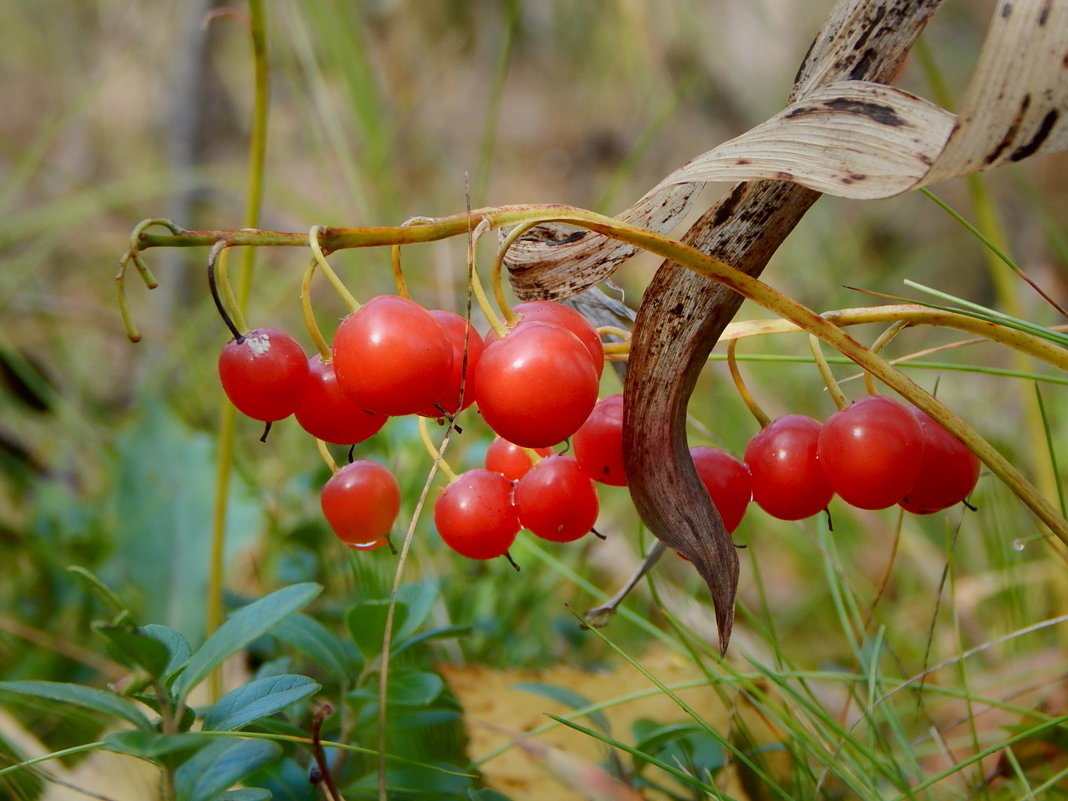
x=419, y=599
x=177, y=646
x=164, y=475
x=241, y=628
x=246, y=794
x=564, y=696
x=134, y=647
x=152, y=745
x=78, y=695
x=313, y=638
x=367, y=622
x=445, y=632
x=406, y=689
x=218, y=767
x=257, y=699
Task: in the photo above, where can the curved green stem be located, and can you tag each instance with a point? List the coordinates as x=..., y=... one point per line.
x=328, y=271
x=309, y=313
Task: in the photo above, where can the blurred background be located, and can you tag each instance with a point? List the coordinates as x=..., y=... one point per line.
x=386, y=109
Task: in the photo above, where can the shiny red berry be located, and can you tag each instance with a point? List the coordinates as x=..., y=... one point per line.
x=510, y=460
x=263, y=373
x=328, y=413
x=557, y=500
x=392, y=357
x=476, y=515
x=788, y=480
x=598, y=444
x=948, y=472
x=727, y=481
x=360, y=502
x=871, y=452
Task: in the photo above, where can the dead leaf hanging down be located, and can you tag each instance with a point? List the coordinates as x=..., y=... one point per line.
x=856, y=139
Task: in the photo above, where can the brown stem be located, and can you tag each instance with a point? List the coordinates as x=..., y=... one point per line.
x=682, y=314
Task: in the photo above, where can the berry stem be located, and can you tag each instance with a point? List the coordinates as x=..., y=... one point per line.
x=743, y=390
x=498, y=271
x=216, y=258
x=328, y=271
x=309, y=313
x=881, y=342
x=398, y=272
x=327, y=456
x=475, y=284
x=839, y=397
x=434, y=451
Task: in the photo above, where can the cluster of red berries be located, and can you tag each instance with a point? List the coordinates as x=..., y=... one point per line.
x=536, y=387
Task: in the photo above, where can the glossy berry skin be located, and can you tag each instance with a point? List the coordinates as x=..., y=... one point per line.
x=948, y=473
x=788, y=480
x=550, y=312
x=392, y=357
x=460, y=334
x=328, y=413
x=871, y=452
x=727, y=481
x=476, y=515
x=264, y=374
x=536, y=386
x=510, y=460
x=360, y=502
x=557, y=500
x=598, y=444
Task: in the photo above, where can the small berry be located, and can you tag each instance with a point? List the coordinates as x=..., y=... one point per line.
x=263, y=374
x=328, y=413
x=549, y=312
x=476, y=515
x=461, y=335
x=510, y=460
x=598, y=443
x=557, y=500
x=788, y=480
x=392, y=357
x=948, y=472
x=727, y=481
x=360, y=502
x=871, y=452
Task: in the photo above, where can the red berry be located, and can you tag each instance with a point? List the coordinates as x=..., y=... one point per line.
x=392, y=357
x=556, y=500
x=536, y=386
x=727, y=481
x=948, y=472
x=360, y=502
x=328, y=413
x=461, y=336
x=871, y=452
x=598, y=444
x=263, y=374
x=550, y=312
x=788, y=480
x=476, y=516
x=510, y=460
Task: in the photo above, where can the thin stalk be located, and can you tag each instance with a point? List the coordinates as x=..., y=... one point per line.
x=320, y=258
x=309, y=313
x=227, y=424
x=742, y=388
x=884, y=339
x=829, y=381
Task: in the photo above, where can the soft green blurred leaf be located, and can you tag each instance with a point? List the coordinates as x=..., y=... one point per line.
x=164, y=478
x=220, y=766
x=152, y=745
x=241, y=628
x=177, y=646
x=257, y=699
x=77, y=695
x=419, y=599
x=313, y=638
x=406, y=689
x=134, y=647
x=367, y=622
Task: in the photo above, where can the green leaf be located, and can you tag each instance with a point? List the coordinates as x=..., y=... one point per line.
x=419, y=599
x=257, y=699
x=246, y=794
x=134, y=647
x=218, y=767
x=567, y=697
x=367, y=622
x=102, y=591
x=164, y=479
x=152, y=745
x=241, y=628
x=177, y=646
x=406, y=689
x=76, y=694
x=314, y=639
